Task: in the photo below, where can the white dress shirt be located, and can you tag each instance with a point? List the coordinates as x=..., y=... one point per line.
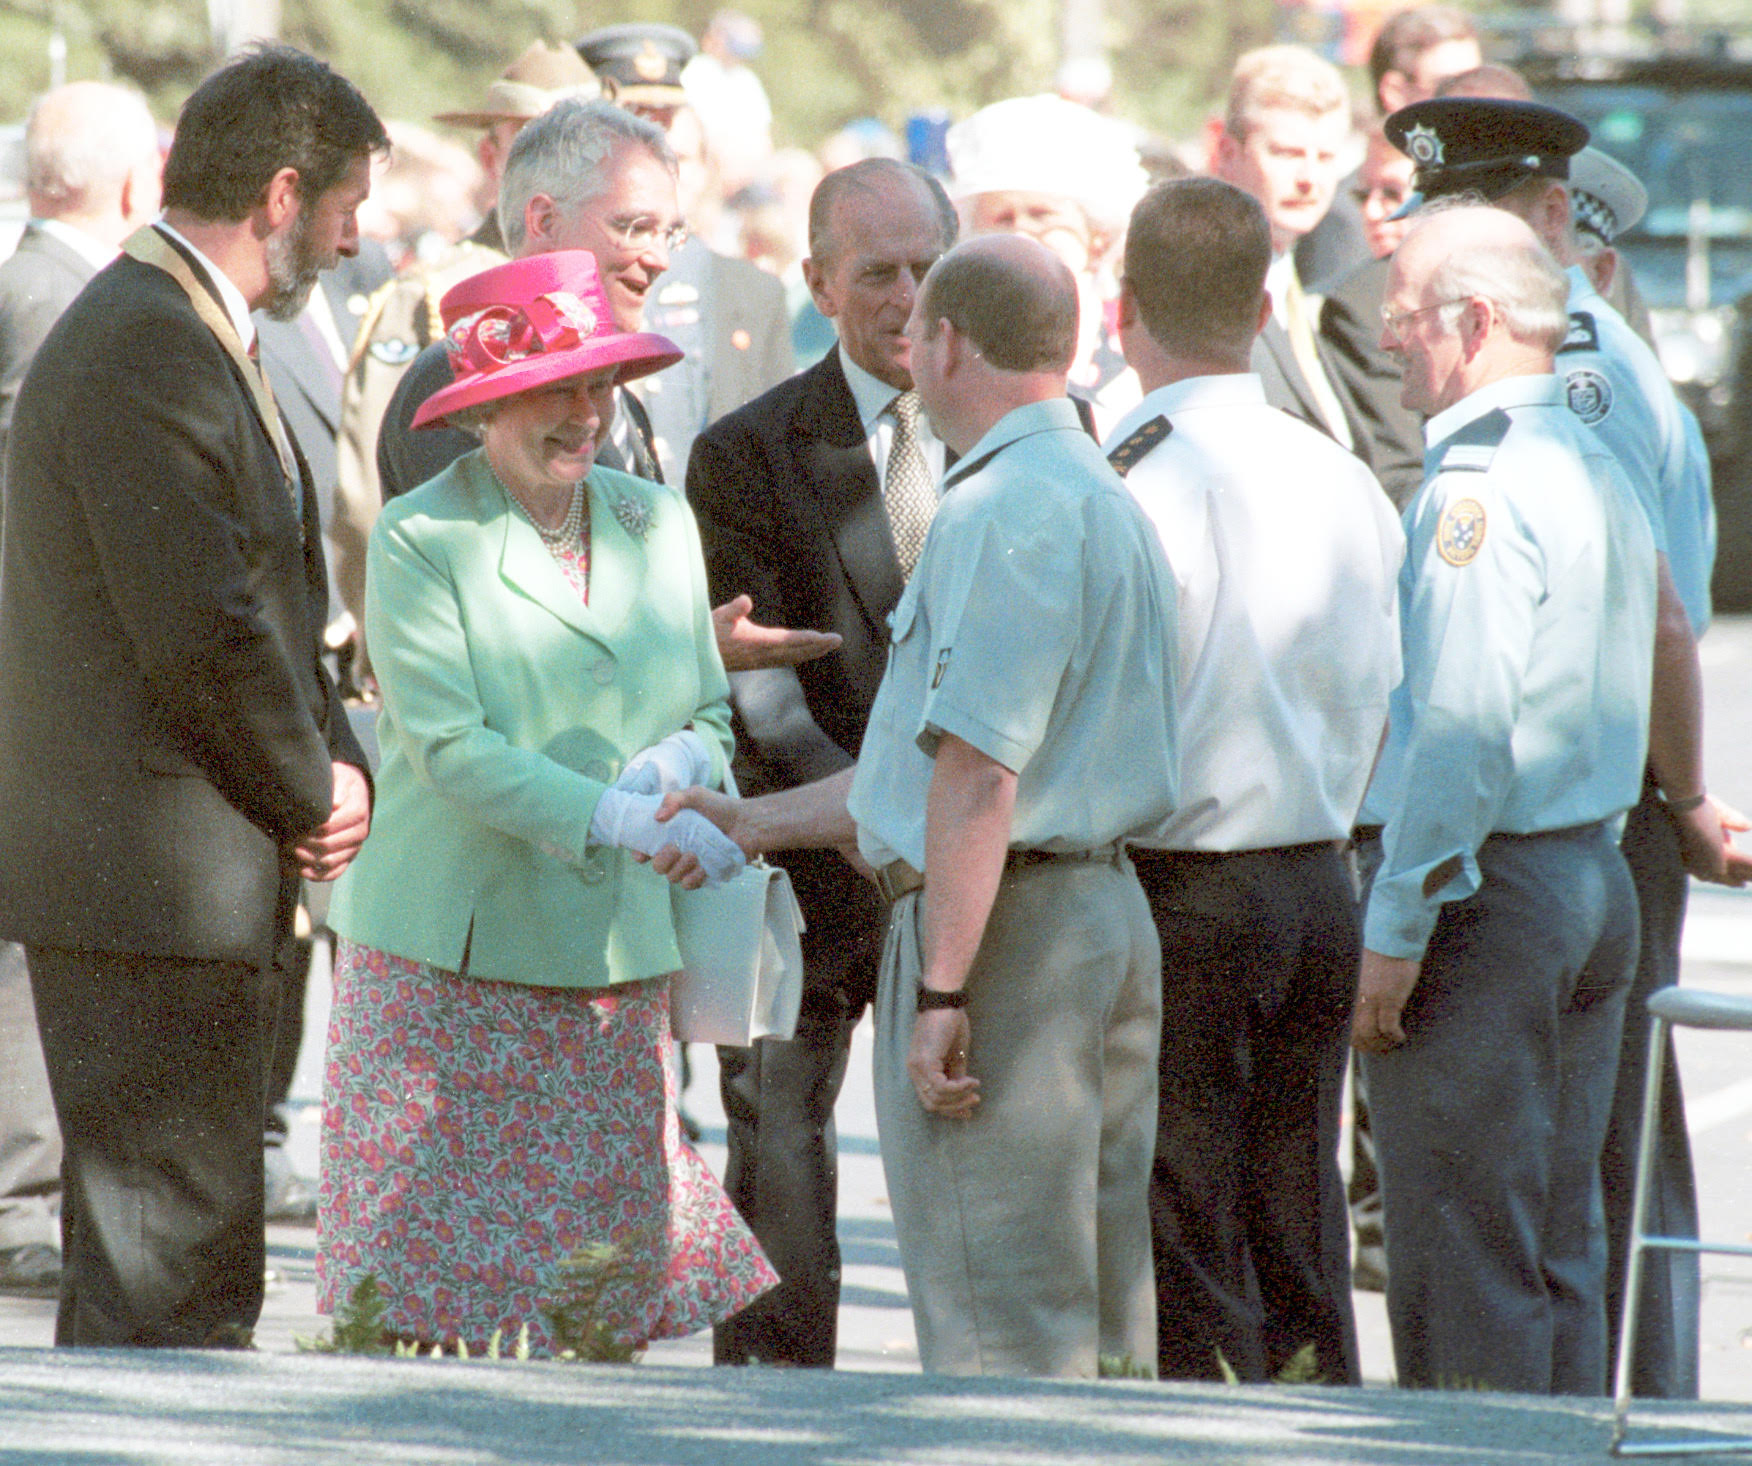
x=1285, y=555
x=873, y=396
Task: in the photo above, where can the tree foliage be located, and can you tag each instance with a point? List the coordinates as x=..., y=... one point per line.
x=826, y=61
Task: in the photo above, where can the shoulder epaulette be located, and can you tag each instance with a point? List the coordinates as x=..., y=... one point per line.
x=1472, y=448
x=1584, y=334
x=1138, y=443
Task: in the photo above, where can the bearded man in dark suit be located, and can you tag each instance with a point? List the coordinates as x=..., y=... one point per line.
x=172, y=756
x=813, y=500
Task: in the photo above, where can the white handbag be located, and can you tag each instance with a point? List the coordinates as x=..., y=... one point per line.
x=741, y=972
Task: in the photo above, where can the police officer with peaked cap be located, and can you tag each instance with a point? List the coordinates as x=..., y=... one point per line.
x=639, y=65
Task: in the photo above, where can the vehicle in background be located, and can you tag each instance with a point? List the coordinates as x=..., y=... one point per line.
x=1679, y=115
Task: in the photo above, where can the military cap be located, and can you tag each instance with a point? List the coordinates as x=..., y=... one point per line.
x=1605, y=196
x=639, y=62
x=531, y=84
x=1482, y=145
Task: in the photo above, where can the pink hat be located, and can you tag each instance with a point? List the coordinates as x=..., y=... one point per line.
x=531, y=322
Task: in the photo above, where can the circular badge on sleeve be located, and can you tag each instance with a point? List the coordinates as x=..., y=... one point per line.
x=1460, y=535
x=1589, y=395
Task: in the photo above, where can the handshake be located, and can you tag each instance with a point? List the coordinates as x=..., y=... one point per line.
x=636, y=814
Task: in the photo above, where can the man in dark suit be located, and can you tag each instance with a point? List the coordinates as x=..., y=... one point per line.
x=92, y=169
x=172, y=756
x=1287, y=117
x=813, y=500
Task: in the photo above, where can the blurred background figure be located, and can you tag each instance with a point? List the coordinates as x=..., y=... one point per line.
x=728, y=316
x=729, y=97
x=92, y=177
x=1067, y=177
x=1413, y=51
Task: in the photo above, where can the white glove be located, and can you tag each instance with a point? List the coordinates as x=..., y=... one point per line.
x=677, y=762
x=630, y=821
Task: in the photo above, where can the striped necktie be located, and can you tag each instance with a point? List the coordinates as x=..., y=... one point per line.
x=907, y=491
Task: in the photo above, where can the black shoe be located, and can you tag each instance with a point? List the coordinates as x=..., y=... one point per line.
x=33, y=1268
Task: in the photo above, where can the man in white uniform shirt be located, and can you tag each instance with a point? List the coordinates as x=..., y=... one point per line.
x=1288, y=650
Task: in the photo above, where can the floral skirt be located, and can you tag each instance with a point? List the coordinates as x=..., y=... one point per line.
x=476, y=1134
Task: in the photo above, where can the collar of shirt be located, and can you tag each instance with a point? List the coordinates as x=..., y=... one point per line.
x=1229, y=389
x=871, y=394
x=1277, y=281
x=90, y=249
x=1582, y=294
x=1020, y=422
x=1533, y=390
x=235, y=305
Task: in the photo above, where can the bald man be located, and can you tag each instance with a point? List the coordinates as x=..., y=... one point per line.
x=1024, y=730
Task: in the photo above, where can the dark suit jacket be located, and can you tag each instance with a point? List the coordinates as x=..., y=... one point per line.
x=307, y=379
x=165, y=723
x=36, y=285
x=1389, y=437
x=791, y=514
x=1285, y=386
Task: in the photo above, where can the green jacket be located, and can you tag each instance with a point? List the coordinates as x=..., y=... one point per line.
x=508, y=705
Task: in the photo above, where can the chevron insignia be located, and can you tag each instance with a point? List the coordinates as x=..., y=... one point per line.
x=1128, y=454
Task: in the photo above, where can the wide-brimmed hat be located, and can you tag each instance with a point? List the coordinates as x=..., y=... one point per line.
x=530, y=322
x=531, y=84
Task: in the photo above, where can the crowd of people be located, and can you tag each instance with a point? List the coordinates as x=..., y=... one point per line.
x=1173, y=631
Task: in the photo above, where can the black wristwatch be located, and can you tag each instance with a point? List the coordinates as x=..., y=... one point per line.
x=930, y=998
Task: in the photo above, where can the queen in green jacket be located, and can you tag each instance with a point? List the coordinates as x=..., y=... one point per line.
x=498, y=1091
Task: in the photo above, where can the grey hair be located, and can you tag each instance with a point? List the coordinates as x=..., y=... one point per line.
x=73, y=152
x=1525, y=283
x=565, y=154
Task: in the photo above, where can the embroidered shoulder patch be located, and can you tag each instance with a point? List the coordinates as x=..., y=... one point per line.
x=1460, y=535
x=1584, y=335
x=1589, y=395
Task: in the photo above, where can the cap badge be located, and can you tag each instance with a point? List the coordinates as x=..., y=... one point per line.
x=1424, y=147
x=650, y=63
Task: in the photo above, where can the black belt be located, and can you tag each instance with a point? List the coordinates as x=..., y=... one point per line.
x=897, y=878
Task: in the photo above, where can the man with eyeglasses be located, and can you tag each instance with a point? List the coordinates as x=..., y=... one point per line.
x=1499, y=933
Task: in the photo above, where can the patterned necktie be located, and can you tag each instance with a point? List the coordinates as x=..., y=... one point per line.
x=907, y=491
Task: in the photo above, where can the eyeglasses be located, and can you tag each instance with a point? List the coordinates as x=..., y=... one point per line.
x=1390, y=194
x=640, y=231
x=1395, y=321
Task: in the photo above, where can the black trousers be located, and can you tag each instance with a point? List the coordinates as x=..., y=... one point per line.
x=1259, y=968
x=158, y=1068
x=783, y=1176
x=1667, y=1320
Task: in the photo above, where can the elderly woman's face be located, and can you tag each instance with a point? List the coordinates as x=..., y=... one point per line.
x=546, y=438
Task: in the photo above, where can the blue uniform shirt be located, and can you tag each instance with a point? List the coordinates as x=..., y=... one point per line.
x=1616, y=385
x=1527, y=611
x=1039, y=627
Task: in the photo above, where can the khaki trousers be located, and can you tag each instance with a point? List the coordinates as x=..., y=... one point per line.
x=1024, y=1232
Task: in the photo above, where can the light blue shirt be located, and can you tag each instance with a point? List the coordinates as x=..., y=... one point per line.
x=1616, y=385
x=1527, y=610
x=1038, y=627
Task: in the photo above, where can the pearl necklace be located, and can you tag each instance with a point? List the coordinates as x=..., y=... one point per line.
x=571, y=528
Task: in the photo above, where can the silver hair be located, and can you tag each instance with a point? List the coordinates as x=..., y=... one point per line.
x=565, y=154
x=1525, y=283
x=74, y=153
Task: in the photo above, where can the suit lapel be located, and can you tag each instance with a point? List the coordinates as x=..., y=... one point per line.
x=836, y=466
x=616, y=568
